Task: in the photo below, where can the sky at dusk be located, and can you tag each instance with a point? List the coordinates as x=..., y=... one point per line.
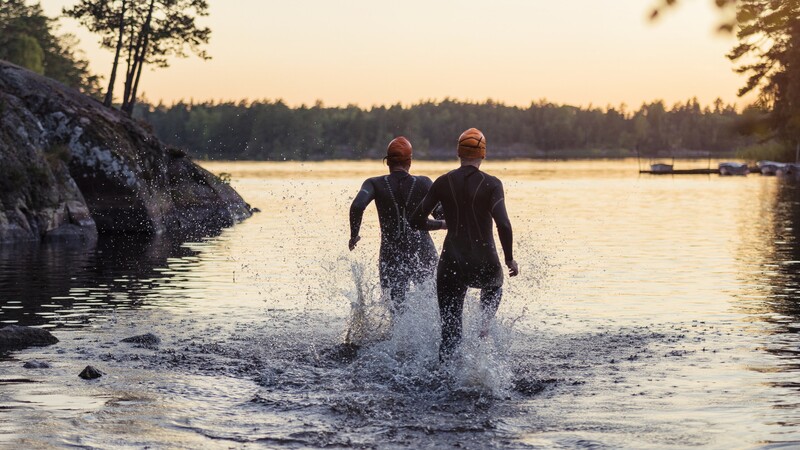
x=579, y=52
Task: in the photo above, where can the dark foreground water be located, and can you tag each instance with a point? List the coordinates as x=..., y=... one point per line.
x=652, y=312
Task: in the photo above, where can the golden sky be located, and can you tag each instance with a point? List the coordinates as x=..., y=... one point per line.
x=580, y=52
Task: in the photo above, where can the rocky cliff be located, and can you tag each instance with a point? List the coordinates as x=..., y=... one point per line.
x=69, y=167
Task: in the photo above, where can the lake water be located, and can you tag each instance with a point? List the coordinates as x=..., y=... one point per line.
x=651, y=312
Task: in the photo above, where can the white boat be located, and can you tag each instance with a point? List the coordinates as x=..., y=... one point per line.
x=770, y=167
x=733, y=168
x=661, y=168
x=789, y=170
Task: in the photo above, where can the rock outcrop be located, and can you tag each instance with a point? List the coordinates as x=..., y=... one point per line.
x=16, y=337
x=148, y=340
x=70, y=167
x=91, y=373
x=35, y=364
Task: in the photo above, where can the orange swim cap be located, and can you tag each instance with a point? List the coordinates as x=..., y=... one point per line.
x=472, y=144
x=399, y=150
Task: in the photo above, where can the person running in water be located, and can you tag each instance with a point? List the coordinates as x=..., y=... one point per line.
x=406, y=254
x=471, y=199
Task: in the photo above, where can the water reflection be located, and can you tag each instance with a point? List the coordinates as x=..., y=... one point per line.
x=771, y=260
x=786, y=260
x=653, y=312
x=72, y=284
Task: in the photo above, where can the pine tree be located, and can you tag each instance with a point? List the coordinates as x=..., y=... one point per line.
x=28, y=38
x=148, y=32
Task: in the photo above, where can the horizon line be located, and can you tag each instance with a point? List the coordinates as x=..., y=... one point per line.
x=247, y=102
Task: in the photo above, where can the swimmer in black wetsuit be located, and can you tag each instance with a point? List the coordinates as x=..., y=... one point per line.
x=406, y=254
x=471, y=199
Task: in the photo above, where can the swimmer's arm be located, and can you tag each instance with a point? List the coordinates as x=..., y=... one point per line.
x=501, y=220
x=363, y=198
x=438, y=212
x=419, y=218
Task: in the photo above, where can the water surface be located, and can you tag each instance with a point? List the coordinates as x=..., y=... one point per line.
x=651, y=312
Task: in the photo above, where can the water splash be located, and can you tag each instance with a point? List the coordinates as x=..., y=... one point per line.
x=482, y=363
x=369, y=314
x=402, y=349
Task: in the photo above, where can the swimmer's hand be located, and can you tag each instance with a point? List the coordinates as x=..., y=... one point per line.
x=353, y=242
x=444, y=225
x=513, y=268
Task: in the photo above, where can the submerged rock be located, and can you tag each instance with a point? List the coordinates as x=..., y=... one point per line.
x=34, y=364
x=344, y=353
x=148, y=340
x=16, y=337
x=531, y=387
x=90, y=373
x=70, y=168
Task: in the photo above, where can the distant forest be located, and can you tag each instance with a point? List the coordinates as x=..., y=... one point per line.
x=271, y=130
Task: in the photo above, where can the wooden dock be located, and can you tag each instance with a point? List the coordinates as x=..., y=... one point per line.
x=682, y=172
x=692, y=171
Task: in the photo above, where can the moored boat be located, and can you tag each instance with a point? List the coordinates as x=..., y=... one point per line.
x=661, y=168
x=733, y=168
x=770, y=167
x=789, y=170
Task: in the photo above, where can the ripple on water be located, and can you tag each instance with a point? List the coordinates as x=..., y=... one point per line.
x=645, y=316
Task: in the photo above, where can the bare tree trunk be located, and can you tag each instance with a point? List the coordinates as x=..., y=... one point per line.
x=132, y=101
x=138, y=58
x=110, y=92
x=131, y=60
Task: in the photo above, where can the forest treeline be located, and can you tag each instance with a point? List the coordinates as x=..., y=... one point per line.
x=30, y=39
x=271, y=130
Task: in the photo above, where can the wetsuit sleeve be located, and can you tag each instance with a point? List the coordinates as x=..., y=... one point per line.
x=438, y=212
x=500, y=216
x=363, y=198
x=419, y=218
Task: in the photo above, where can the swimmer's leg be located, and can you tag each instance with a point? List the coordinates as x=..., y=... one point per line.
x=397, y=291
x=490, y=301
x=450, y=291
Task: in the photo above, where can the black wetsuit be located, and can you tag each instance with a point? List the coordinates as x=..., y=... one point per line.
x=471, y=199
x=407, y=254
